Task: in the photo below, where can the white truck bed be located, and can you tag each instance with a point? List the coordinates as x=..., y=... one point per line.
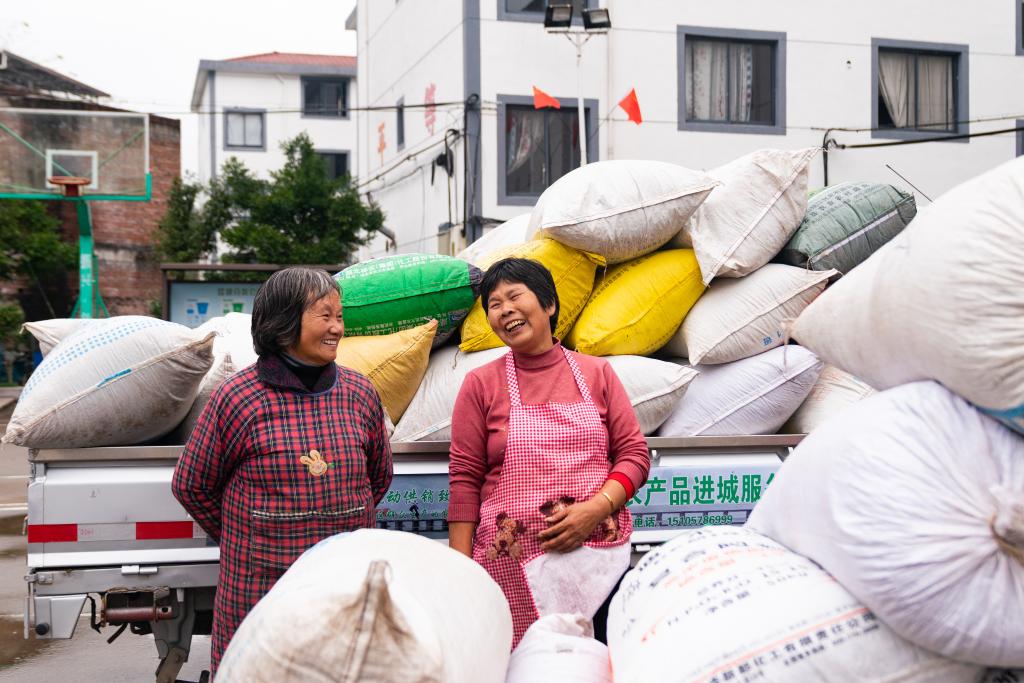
x=103, y=522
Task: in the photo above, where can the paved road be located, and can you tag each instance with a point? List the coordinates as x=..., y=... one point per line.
x=87, y=656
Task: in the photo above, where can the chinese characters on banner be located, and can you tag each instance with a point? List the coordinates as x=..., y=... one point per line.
x=430, y=111
x=699, y=496
x=382, y=143
x=673, y=498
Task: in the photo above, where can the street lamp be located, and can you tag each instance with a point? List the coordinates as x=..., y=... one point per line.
x=558, y=19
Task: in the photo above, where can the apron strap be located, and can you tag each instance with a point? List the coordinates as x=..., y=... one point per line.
x=513, y=382
x=578, y=375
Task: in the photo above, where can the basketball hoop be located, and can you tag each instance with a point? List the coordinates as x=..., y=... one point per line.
x=70, y=185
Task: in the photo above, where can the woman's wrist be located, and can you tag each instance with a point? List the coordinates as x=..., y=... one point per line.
x=599, y=506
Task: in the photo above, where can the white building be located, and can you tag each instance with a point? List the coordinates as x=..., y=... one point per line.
x=249, y=105
x=715, y=80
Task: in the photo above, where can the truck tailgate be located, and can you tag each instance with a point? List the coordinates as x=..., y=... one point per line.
x=105, y=512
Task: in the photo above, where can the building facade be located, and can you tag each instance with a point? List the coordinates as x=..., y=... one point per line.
x=249, y=105
x=450, y=143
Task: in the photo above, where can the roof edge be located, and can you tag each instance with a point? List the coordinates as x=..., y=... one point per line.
x=276, y=68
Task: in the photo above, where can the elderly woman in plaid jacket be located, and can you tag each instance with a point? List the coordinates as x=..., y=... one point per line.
x=288, y=451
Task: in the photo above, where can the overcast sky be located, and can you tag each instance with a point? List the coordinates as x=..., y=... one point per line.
x=145, y=54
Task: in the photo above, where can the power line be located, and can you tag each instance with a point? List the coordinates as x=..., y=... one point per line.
x=937, y=138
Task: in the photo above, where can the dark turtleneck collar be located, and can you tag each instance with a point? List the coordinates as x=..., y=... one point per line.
x=285, y=372
x=540, y=360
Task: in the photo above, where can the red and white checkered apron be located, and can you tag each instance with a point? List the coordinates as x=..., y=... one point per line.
x=554, y=452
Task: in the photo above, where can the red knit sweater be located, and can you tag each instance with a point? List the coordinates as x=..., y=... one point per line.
x=480, y=419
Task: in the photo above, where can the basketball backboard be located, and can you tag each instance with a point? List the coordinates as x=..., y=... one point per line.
x=110, y=149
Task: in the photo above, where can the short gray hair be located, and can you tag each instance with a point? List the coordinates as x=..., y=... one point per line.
x=280, y=302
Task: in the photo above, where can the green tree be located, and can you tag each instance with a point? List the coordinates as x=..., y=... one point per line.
x=184, y=235
x=30, y=241
x=11, y=338
x=298, y=216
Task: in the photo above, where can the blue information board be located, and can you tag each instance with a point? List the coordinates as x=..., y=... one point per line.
x=193, y=303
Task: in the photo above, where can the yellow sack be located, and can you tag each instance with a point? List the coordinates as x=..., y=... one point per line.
x=395, y=363
x=573, y=273
x=637, y=307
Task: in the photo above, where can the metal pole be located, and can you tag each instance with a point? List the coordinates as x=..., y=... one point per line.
x=86, y=273
x=579, y=100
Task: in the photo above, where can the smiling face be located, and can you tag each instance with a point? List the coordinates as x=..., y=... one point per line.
x=518, y=319
x=322, y=327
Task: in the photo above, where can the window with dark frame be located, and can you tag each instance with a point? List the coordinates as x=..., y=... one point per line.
x=730, y=81
x=917, y=90
x=244, y=129
x=325, y=97
x=336, y=162
x=541, y=146
x=400, y=123
x=539, y=6
x=1020, y=27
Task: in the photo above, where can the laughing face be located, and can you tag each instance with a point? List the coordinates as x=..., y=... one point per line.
x=322, y=327
x=518, y=318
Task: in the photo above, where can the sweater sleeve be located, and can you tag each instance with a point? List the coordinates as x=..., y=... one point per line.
x=626, y=444
x=380, y=465
x=209, y=458
x=467, y=459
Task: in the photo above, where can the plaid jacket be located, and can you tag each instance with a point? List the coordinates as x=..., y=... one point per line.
x=272, y=468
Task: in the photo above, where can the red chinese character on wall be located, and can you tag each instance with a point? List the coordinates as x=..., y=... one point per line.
x=382, y=143
x=430, y=111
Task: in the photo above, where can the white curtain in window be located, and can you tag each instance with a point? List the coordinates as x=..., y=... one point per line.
x=707, y=78
x=525, y=137
x=741, y=80
x=896, y=84
x=253, y=130
x=236, y=129
x=719, y=81
x=935, y=92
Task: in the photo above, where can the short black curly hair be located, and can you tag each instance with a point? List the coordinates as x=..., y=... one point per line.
x=524, y=271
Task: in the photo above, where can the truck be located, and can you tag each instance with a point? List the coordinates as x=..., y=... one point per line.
x=105, y=531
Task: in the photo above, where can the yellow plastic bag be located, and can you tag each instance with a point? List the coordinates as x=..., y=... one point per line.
x=638, y=305
x=395, y=363
x=573, y=273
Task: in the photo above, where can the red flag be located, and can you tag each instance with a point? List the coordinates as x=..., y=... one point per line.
x=631, y=106
x=541, y=99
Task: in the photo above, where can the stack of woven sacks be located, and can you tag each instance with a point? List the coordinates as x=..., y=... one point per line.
x=891, y=544
x=686, y=282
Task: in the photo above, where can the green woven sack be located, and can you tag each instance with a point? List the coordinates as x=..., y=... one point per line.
x=396, y=293
x=846, y=223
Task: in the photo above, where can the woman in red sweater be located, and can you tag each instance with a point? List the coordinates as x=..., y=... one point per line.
x=545, y=452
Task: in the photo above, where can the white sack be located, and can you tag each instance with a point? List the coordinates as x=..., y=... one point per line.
x=914, y=500
x=375, y=605
x=834, y=391
x=232, y=351
x=559, y=648
x=751, y=396
x=742, y=317
x=654, y=388
x=429, y=415
x=508, y=234
x=221, y=370
x=942, y=300
x=49, y=332
x=725, y=604
x=127, y=381
x=747, y=221
x=234, y=338
x=619, y=209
